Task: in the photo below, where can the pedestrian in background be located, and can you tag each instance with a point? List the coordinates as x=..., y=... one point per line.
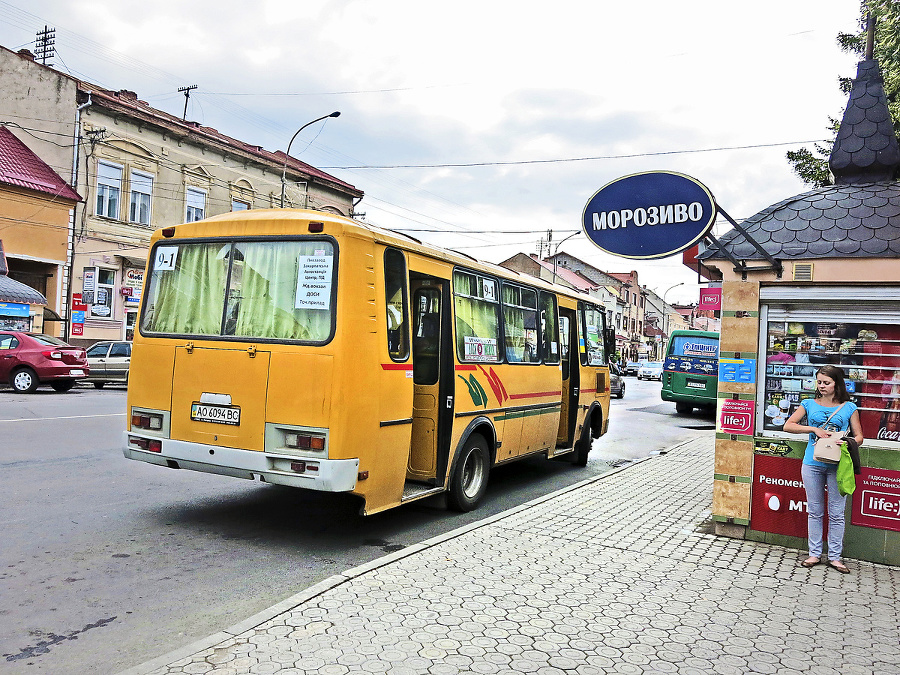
x=820, y=479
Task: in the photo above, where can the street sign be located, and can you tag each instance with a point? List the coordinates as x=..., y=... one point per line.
x=649, y=215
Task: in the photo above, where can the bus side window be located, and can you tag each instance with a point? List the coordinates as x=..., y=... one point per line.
x=564, y=345
x=396, y=305
x=549, y=329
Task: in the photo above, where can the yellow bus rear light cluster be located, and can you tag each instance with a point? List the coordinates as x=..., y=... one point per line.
x=304, y=442
x=304, y=467
x=150, y=445
x=154, y=422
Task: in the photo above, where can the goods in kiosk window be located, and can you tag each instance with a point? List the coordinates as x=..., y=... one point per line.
x=868, y=354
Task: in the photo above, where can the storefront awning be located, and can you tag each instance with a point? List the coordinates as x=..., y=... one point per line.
x=15, y=291
x=135, y=263
x=50, y=315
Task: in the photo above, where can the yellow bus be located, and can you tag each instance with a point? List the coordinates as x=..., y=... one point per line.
x=310, y=350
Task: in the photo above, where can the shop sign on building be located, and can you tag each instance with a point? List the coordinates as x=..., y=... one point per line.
x=876, y=502
x=710, y=299
x=778, y=502
x=133, y=284
x=17, y=309
x=649, y=215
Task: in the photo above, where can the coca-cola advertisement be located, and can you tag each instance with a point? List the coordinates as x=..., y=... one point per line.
x=880, y=391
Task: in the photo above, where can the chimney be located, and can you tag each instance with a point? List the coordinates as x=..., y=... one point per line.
x=26, y=54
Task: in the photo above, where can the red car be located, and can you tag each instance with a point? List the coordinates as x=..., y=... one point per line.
x=30, y=359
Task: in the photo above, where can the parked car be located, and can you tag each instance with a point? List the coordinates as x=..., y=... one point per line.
x=109, y=362
x=632, y=367
x=616, y=382
x=650, y=370
x=28, y=360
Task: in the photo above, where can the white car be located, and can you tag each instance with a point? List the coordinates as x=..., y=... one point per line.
x=651, y=370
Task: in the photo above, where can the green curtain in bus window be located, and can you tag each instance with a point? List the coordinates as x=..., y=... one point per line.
x=189, y=298
x=476, y=320
x=262, y=297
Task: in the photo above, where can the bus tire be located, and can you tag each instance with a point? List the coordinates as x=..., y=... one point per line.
x=583, y=445
x=683, y=408
x=470, y=476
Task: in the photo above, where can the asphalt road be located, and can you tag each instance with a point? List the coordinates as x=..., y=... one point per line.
x=107, y=563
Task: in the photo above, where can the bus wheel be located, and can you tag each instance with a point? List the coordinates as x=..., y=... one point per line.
x=469, y=480
x=683, y=408
x=583, y=445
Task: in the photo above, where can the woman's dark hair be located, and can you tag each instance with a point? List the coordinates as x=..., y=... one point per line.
x=840, y=387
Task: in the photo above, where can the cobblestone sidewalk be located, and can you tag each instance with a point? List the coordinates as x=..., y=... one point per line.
x=614, y=575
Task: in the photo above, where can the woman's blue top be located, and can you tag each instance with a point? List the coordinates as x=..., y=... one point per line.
x=816, y=414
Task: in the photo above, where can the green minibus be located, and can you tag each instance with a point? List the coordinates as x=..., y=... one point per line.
x=691, y=370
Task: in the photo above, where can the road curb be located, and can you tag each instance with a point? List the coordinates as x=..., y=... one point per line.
x=338, y=579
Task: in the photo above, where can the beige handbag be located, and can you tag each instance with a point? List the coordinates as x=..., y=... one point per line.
x=828, y=449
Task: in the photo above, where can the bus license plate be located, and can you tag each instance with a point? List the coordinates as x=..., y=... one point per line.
x=218, y=414
x=693, y=384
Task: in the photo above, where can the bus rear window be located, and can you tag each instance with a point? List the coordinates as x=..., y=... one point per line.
x=280, y=290
x=687, y=345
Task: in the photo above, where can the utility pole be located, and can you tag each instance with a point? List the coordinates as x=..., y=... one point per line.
x=187, y=97
x=43, y=45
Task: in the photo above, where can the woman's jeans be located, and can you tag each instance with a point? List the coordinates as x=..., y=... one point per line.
x=815, y=479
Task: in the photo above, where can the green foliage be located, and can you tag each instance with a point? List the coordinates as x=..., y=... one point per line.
x=812, y=167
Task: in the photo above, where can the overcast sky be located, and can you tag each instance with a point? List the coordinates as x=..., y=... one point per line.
x=549, y=101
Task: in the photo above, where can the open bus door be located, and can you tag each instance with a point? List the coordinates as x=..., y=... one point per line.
x=568, y=340
x=433, y=386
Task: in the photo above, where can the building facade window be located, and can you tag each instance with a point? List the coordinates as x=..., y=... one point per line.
x=238, y=205
x=196, y=205
x=141, y=192
x=109, y=188
x=98, y=290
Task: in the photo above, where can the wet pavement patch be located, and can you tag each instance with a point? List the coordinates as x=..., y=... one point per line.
x=385, y=546
x=52, y=639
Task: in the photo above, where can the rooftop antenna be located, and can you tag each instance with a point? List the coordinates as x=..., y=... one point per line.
x=187, y=97
x=43, y=45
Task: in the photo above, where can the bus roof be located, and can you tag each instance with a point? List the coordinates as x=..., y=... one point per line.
x=274, y=222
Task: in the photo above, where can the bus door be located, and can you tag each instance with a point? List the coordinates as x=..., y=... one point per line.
x=568, y=345
x=433, y=386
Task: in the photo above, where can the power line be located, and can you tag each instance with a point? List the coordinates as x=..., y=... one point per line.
x=572, y=159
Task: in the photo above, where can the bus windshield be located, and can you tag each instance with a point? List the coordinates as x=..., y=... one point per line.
x=280, y=290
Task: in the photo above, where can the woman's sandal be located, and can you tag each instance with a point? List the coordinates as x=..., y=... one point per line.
x=839, y=566
x=811, y=562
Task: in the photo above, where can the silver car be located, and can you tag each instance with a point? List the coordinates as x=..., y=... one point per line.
x=109, y=362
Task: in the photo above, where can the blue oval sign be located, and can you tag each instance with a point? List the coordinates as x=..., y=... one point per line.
x=649, y=215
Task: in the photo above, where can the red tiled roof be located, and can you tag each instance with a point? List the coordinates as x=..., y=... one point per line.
x=572, y=278
x=19, y=166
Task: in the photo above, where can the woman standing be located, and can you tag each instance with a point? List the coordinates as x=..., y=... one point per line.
x=831, y=401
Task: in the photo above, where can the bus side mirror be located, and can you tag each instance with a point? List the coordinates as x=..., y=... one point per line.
x=609, y=342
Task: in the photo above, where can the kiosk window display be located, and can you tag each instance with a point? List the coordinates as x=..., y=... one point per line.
x=868, y=353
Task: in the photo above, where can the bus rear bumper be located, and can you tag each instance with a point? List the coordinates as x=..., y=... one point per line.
x=324, y=475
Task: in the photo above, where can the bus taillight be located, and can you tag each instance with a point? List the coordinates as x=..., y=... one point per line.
x=147, y=421
x=304, y=442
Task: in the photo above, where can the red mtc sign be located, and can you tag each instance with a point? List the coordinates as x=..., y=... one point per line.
x=876, y=502
x=778, y=500
x=737, y=417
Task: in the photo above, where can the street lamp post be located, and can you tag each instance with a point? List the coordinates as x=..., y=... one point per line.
x=287, y=154
x=665, y=313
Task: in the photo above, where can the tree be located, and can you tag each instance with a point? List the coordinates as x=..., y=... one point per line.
x=812, y=167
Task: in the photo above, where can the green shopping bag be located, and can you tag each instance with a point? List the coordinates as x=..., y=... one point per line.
x=846, y=480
